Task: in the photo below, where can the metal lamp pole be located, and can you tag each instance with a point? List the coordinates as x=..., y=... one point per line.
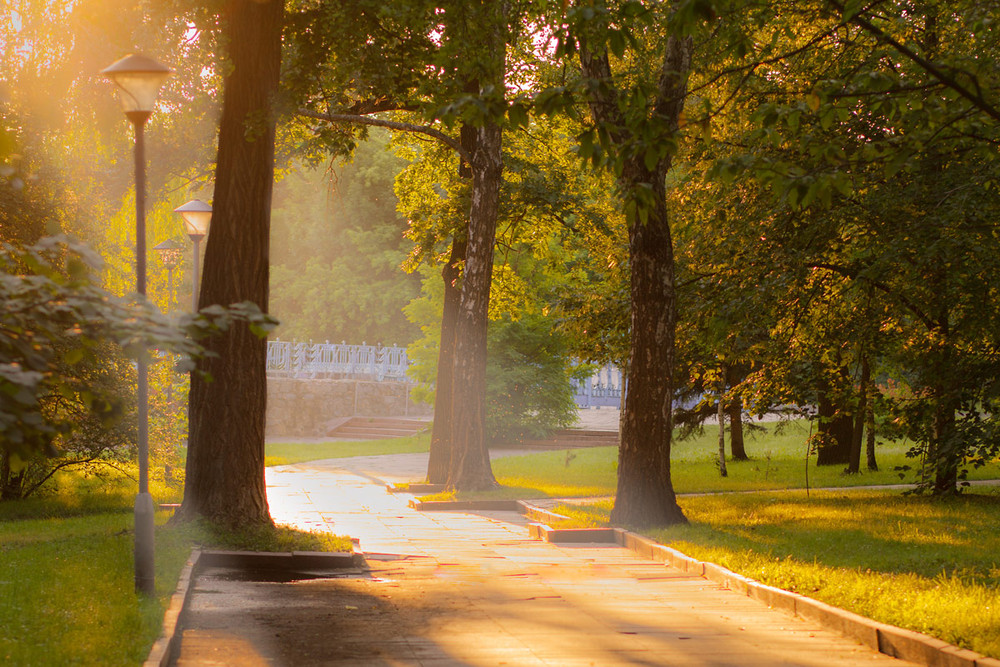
x=139, y=79
x=197, y=217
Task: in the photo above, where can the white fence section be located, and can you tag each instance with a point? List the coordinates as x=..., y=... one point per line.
x=336, y=360
x=604, y=388
x=375, y=362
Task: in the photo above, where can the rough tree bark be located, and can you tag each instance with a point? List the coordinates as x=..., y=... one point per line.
x=469, y=467
x=439, y=459
x=225, y=462
x=645, y=495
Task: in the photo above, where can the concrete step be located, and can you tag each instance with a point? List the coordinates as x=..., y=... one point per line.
x=377, y=428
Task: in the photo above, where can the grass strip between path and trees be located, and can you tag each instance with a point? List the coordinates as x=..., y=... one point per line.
x=929, y=565
x=67, y=588
x=778, y=461
x=287, y=453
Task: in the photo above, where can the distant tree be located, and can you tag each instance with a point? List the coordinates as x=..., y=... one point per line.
x=337, y=248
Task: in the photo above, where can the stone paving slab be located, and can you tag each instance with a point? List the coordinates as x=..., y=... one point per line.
x=472, y=588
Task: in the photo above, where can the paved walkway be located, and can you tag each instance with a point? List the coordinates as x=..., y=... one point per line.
x=458, y=588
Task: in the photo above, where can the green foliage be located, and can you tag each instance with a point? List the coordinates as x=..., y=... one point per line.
x=337, y=252
x=528, y=372
x=59, y=342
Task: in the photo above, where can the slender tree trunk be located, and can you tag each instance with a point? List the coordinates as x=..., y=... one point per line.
x=225, y=464
x=857, y=437
x=870, y=435
x=441, y=434
x=721, y=415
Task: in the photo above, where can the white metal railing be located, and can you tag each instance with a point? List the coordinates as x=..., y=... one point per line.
x=603, y=389
x=336, y=360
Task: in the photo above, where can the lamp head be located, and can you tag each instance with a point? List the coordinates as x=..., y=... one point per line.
x=197, y=216
x=138, y=79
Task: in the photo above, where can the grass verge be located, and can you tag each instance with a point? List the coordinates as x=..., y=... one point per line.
x=67, y=588
x=778, y=461
x=286, y=453
x=925, y=564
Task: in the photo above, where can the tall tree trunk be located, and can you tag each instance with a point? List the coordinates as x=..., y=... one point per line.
x=645, y=495
x=225, y=463
x=441, y=434
x=469, y=468
x=944, y=450
x=857, y=436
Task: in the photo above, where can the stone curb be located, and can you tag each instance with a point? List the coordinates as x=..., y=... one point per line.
x=572, y=535
x=887, y=639
x=414, y=488
x=166, y=645
x=482, y=505
x=280, y=561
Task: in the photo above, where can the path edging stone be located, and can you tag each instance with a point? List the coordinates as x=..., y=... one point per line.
x=886, y=639
x=165, y=645
x=481, y=505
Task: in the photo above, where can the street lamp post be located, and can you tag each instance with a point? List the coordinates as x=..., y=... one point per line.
x=197, y=216
x=139, y=79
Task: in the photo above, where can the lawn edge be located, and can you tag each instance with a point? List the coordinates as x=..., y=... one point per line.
x=883, y=638
x=165, y=645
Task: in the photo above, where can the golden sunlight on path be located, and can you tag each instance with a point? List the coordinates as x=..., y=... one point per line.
x=458, y=588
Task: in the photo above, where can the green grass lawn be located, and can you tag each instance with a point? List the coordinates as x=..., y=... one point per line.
x=67, y=588
x=778, y=461
x=285, y=453
x=925, y=564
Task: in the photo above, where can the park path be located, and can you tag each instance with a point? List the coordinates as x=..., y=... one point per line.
x=464, y=588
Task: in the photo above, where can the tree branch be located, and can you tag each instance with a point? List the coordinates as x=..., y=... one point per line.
x=854, y=274
x=975, y=98
x=392, y=125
